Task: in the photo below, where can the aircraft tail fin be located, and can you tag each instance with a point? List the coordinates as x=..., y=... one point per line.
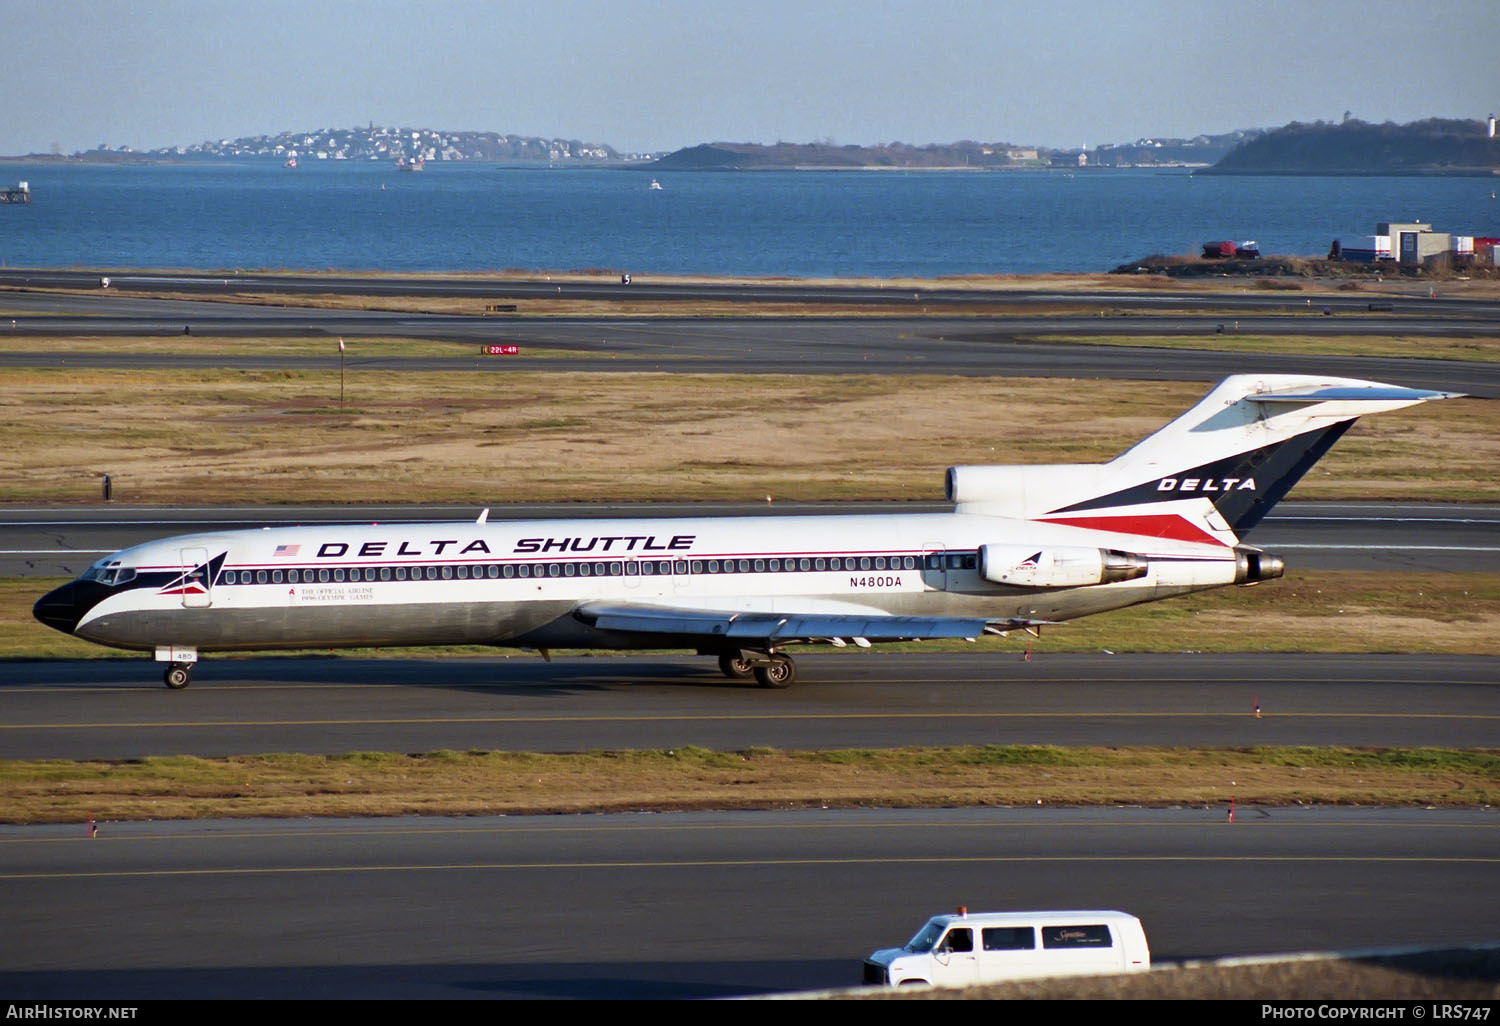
x=1208, y=476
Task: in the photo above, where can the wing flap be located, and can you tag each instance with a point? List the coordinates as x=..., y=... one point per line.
x=771, y=627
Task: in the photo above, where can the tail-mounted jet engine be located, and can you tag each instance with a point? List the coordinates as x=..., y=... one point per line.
x=1252, y=566
x=1058, y=566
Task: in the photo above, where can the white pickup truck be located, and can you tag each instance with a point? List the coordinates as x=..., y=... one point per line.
x=987, y=947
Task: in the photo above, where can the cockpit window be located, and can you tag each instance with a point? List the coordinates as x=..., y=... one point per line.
x=109, y=575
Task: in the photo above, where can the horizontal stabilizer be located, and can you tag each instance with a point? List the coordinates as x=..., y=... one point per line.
x=1369, y=394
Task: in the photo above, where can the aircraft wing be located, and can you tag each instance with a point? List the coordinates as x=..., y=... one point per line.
x=785, y=627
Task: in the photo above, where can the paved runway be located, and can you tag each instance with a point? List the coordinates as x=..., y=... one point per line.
x=63, y=540
x=974, y=346
x=118, y=708
x=695, y=905
x=1394, y=297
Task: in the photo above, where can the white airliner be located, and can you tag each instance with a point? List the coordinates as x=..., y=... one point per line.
x=1024, y=546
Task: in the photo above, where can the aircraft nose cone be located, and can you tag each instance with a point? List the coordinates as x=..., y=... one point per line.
x=60, y=609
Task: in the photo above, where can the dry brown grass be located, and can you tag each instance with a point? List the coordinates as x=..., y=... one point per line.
x=490, y=783
x=279, y=436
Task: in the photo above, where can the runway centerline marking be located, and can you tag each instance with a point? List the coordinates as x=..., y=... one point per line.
x=752, y=863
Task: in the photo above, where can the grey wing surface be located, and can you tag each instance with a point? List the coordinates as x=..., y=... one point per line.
x=787, y=627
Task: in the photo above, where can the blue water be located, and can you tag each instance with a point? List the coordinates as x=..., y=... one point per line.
x=482, y=217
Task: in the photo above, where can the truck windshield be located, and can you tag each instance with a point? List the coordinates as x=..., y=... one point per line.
x=926, y=937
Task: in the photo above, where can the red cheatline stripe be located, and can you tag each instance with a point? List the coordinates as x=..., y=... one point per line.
x=1161, y=525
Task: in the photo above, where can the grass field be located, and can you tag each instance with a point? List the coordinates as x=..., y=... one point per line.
x=253, y=436
x=490, y=783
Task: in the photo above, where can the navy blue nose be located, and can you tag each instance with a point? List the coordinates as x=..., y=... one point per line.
x=62, y=608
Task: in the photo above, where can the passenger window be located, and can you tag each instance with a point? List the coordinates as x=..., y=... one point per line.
x=569, y=569
x=958, y=940
x=680, y=567
x=616, y=569
x=275, y=576
x=820, y=564
x=760, y=565
x=385, y=573
x=260, y=577
x=879, y=562
x=431, y=573
x=599, y=569
x=323, y=576
x=1076, y=937
x=1008, y=938
x=552, y=570
x=806, y=564
x=463, y=573
x=697, y=566
x=447, y=573
x=864, y=563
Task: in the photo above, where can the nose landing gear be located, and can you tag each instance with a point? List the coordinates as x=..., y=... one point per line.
x=178, y=676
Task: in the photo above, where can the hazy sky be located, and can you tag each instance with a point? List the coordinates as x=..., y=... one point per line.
x=660, y=74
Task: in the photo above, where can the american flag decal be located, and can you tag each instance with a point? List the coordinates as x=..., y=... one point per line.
x=286, y=551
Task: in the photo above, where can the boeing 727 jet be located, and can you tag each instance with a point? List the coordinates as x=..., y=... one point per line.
x=1024, y=546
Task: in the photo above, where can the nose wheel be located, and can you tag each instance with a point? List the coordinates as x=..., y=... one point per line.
x=178, y=676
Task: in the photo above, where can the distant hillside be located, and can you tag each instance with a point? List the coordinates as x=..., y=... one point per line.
x=1156, y=152
x=724, y=156
x=373, y=143
x=1436, y=146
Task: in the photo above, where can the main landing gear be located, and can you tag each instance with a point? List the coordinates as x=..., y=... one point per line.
x=770, y=669
x=178, y=676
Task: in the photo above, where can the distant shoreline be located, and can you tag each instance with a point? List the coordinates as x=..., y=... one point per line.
x=44, y=160
x=1475, y=172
